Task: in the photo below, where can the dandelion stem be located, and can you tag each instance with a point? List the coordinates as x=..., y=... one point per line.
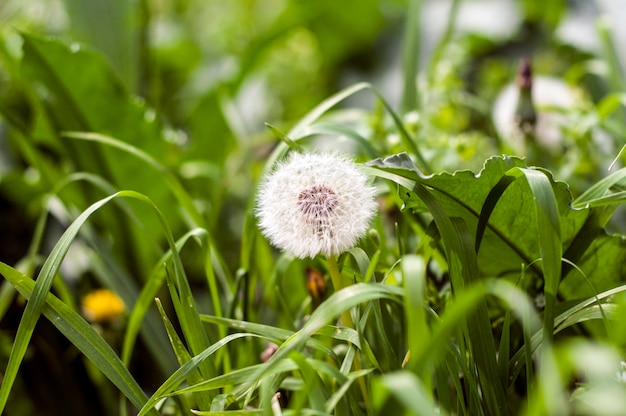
x=346, y=318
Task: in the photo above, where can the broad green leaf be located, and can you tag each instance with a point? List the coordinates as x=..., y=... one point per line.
x=509, y=238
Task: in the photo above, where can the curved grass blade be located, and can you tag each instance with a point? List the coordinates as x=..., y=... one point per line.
x=183, y=356
x=336, y=129
x=516, y=361
x=462, y=264
x=148, y=293
x=284, y=138
x=191, y=324
x=172, y=182
x=598, y=192
x=121, y=284
x=548, y=228
x=300, y=129
x=329, y=310
x=37, y=300
x=82, y=335
x=180, y=375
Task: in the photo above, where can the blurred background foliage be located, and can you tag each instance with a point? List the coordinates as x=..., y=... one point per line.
x=192, y=83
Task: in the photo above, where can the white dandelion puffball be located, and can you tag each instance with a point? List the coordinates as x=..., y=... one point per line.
x=315, y=204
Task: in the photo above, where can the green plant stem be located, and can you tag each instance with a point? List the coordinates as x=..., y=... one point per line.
x=346, y=318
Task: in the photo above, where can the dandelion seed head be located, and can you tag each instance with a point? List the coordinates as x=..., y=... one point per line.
x=315, y=204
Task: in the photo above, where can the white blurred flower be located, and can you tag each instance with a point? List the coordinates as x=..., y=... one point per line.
x=621, y=375
x=315, y=204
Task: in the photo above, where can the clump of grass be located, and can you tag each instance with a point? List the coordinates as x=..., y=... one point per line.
x=490, y=291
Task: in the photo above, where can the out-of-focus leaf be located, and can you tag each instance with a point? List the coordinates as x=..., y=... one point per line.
x=80, y=92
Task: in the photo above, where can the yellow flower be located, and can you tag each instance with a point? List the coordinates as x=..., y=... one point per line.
x=102, y=305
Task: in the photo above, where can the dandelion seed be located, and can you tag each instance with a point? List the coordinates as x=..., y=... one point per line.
x=315, y=204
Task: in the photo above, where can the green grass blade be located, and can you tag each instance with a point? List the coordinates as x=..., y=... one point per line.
x=550, y=245
x=82, y=335
x=148, y=292
x=324, y=106
x=183, y=198
x=328, y=311
x=173, y=381
x=409, y=392
x=37, y=300
x=418, y=333
x=600, y=189
x=410, y=57
x=183, y=356
x=463, y=271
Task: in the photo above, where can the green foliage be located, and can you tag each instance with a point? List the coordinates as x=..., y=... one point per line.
x=133, y=139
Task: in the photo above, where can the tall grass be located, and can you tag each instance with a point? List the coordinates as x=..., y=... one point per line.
x=492, y=291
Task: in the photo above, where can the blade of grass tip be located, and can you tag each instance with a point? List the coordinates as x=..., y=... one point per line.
x=361, y=259
x=522, y=306
x=336, y=129
x=410, y=57
x=82, y=335
x=284, y=138
x=600, y=188
x=618, y=157
x=188, y=318
x=406, y=139
x=299, y=130
x=183, y=356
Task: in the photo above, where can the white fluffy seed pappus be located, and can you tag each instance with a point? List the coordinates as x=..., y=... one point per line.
x=314, y=204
